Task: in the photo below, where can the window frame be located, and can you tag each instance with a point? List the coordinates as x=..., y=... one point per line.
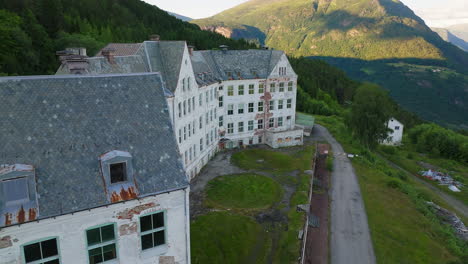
x=23, y=256
x=241, y=89
x=140, y=234
x=110, y=175
x=105, y=243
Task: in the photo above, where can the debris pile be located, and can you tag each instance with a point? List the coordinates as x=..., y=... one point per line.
x=442, y=179
x=453, y=220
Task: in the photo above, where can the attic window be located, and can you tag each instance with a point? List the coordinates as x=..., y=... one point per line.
x=229, y=74
x=16, y=191
x=118, y=172
x=397, y=128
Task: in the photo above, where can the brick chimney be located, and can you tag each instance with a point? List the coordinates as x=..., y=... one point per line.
x=154, y=37
x=109, y=55
x=191, y=49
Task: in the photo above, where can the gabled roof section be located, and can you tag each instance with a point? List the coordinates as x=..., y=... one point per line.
x=62, y=124
x=121, y=49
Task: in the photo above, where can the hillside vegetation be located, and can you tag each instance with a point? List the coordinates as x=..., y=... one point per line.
x=31, y=31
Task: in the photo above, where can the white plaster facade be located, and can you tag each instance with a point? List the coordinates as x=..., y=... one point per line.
x=70, y=231
x=396, y=135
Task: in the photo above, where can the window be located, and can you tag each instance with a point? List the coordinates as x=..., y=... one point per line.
x=289, y=103
x=251, y=107
x=230, y=129
x=200, y=100
x=185, y=133
x=290, y=86
x=260, y=106
x=230, y=90
x=207, y=96
x=118, y=172
x=241, y=90
x=183, y=84
x=261, y=88
x=212, y=135
x=211, y=115
x=16, y=191
x=189, y=130
x=207, y=118
x=251, y=89
x=240, y=127
x=280, y=104
x=193, y=126
x=260, y=124
x=207, y=139
x=190, y=153
x=260, y=139
x=180, y=109
x=152, y=230
x=230, y=109
x=221, y=121
x=271, y=123
x=240, y=109
x=201, y=144
x=251, y=125
x=189, y=83
x=42, y=252
x=185, y=106
x=280, y=121
x=397, y=128
x=211, y=94
x=201, y=122
x=229, y=75
x=220, y=101
x=272, y=105
x=193, y=103
x=189, y=106
x=220, y=88
x=282, y=70
x=101, y=244
x=180, y=135
x=281, y=87
x=272, y=87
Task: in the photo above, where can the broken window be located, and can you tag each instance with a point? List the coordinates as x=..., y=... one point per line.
x=45, y=251
x=101, y=244
x=118, y=172
x=230, y=110
x=240, y=109
x=152, y=230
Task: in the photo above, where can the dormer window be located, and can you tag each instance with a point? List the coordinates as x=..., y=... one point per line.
x=17, y=194
x=229, y=74
x=118, y=172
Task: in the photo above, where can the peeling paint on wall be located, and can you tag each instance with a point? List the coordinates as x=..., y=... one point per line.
x=124, y=195
x=5, y=242
x=127, y=229
x=129, y=213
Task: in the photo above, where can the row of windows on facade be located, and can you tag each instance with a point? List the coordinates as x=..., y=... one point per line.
x=101, y=241
x=261, y=88
x=188, y=130
x=188, y=106
x=191, y=153
x=251, y=124
x=18, y=191
x=260, y=106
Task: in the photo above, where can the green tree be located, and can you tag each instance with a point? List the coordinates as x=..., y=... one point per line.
x=370, y=112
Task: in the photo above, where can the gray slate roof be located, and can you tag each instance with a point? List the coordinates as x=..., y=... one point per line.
x=217, y=63
x=62, y=124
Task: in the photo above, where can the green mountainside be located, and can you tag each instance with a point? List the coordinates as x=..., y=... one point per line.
x=31, y=31
x=374, y=32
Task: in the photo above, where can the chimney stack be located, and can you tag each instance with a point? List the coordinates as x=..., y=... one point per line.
x=77, y=51
x=74, y=59
x=154, y=37
x=109, y=55
x=190, y=50
x=224, y=48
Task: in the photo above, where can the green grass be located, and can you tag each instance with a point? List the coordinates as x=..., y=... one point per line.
x=222, y=237
x=243, y=191
x=403, y=228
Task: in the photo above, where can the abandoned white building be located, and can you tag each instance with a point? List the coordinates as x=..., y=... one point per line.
x=217, y=99
x=91, y=172
x=395, y=136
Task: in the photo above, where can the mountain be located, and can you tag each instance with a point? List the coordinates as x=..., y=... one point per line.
x=372, y=35
x=31, y=31
x=181, y=17
x=460, y=30
x=448, y=36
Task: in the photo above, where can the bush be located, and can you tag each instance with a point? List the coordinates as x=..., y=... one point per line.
x=395, y=184
x=388, y=149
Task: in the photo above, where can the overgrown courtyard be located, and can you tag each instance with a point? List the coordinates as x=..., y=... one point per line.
x=243, y=206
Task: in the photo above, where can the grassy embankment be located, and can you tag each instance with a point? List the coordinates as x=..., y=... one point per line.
x=234, y=234
x=403, y=227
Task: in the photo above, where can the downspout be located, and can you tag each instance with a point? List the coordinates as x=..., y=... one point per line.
x=187, y=225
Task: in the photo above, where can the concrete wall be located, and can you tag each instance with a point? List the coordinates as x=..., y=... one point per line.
x=287, y=138
x=70, y=231
x=395, y=137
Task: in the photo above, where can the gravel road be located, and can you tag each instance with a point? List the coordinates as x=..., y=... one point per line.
x=350, y=236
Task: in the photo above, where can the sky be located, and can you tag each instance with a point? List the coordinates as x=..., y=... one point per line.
x=436, y=13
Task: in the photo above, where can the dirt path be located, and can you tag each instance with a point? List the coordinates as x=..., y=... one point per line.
x=456, y=204
x=350, y=236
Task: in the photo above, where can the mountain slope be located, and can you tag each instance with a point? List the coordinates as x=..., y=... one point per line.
x=365, y=29
x=181, y=17
x=448, y=36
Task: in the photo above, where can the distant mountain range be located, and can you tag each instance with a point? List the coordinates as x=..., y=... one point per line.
x=457, y=35
x=368, y=34
x=183, y=18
